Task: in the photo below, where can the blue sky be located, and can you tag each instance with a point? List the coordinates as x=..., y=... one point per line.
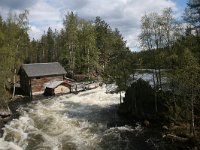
x=181, y=3
x=122, y=14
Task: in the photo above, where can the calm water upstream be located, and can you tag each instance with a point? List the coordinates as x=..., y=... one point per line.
x=86, y=121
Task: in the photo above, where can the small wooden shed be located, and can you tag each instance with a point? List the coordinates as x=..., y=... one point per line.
x=56, y=87
x=31, y=72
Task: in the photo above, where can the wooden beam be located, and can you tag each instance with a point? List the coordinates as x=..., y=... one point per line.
x=30, y=86
x=63, y=76
x=13, y=95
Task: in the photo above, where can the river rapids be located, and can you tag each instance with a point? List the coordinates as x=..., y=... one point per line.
x=85, y=121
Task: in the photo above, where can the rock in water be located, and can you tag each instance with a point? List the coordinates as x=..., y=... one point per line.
x=5, y=115
x=146, y=123
x=1, y=126
x=5, y=112
x=165, y=127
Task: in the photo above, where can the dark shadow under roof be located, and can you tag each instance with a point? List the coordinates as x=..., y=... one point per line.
x=43, y=69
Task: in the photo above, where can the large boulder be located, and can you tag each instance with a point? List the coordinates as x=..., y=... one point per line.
x=139, y=102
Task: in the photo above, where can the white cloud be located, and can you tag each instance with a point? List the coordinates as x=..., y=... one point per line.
x=35, y=32
x=42, y=16
x=122, y=14
x=43, y=11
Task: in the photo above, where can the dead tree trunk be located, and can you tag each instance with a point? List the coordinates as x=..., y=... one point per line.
x=160, y=78
x=155, y=94
x=120, y=98
x=13, y=95
x=88, y=62
x=192, y=126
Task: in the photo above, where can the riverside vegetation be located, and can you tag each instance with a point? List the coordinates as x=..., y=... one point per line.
x=95, y=50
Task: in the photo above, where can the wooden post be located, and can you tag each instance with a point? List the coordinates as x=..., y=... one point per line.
x=63, y=77
x=31, y=94
x=120, y=98
x=13, y=95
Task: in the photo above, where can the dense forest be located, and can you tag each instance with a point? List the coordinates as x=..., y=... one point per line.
x=82, y=47
x=94, y=49
x=170, y=48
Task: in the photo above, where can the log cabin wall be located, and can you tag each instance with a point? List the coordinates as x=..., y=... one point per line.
x=25, y=83
x=39, y=84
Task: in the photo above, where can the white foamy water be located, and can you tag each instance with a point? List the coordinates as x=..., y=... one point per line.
x=68, y=122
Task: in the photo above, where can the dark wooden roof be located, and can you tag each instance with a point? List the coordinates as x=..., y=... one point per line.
x=42, y=69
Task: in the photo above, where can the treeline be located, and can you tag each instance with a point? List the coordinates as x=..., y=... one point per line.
x=174, y=47
x=85, y=47
x=90, y=48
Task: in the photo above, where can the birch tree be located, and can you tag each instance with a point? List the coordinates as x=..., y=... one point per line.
x=189, y=84
x=88, y=53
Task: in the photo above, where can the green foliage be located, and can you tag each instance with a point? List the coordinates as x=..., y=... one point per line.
x=87, y=48
x=14, y=46
x=50, y=46
x=188, y=75
x=119, y=65
x=87, y=54
x=83, y=47
x=174, y=48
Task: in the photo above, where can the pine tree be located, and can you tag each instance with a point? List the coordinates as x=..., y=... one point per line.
x=50, y=45
x=103, y=43
x=88, y=53
x=189, y=84
x=192, y=14
x=71, y=40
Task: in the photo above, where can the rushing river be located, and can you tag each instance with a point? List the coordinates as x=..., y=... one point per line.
x=86, y=121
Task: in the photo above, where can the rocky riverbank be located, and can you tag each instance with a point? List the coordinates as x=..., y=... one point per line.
x=139, y=104
x=5, y=116
x=1, y=126
x=11, y=111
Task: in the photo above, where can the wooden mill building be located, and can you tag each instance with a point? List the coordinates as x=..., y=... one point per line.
x=33, y=76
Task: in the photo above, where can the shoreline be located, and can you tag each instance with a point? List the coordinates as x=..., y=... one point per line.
x=14, y=114
x=175, y=134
